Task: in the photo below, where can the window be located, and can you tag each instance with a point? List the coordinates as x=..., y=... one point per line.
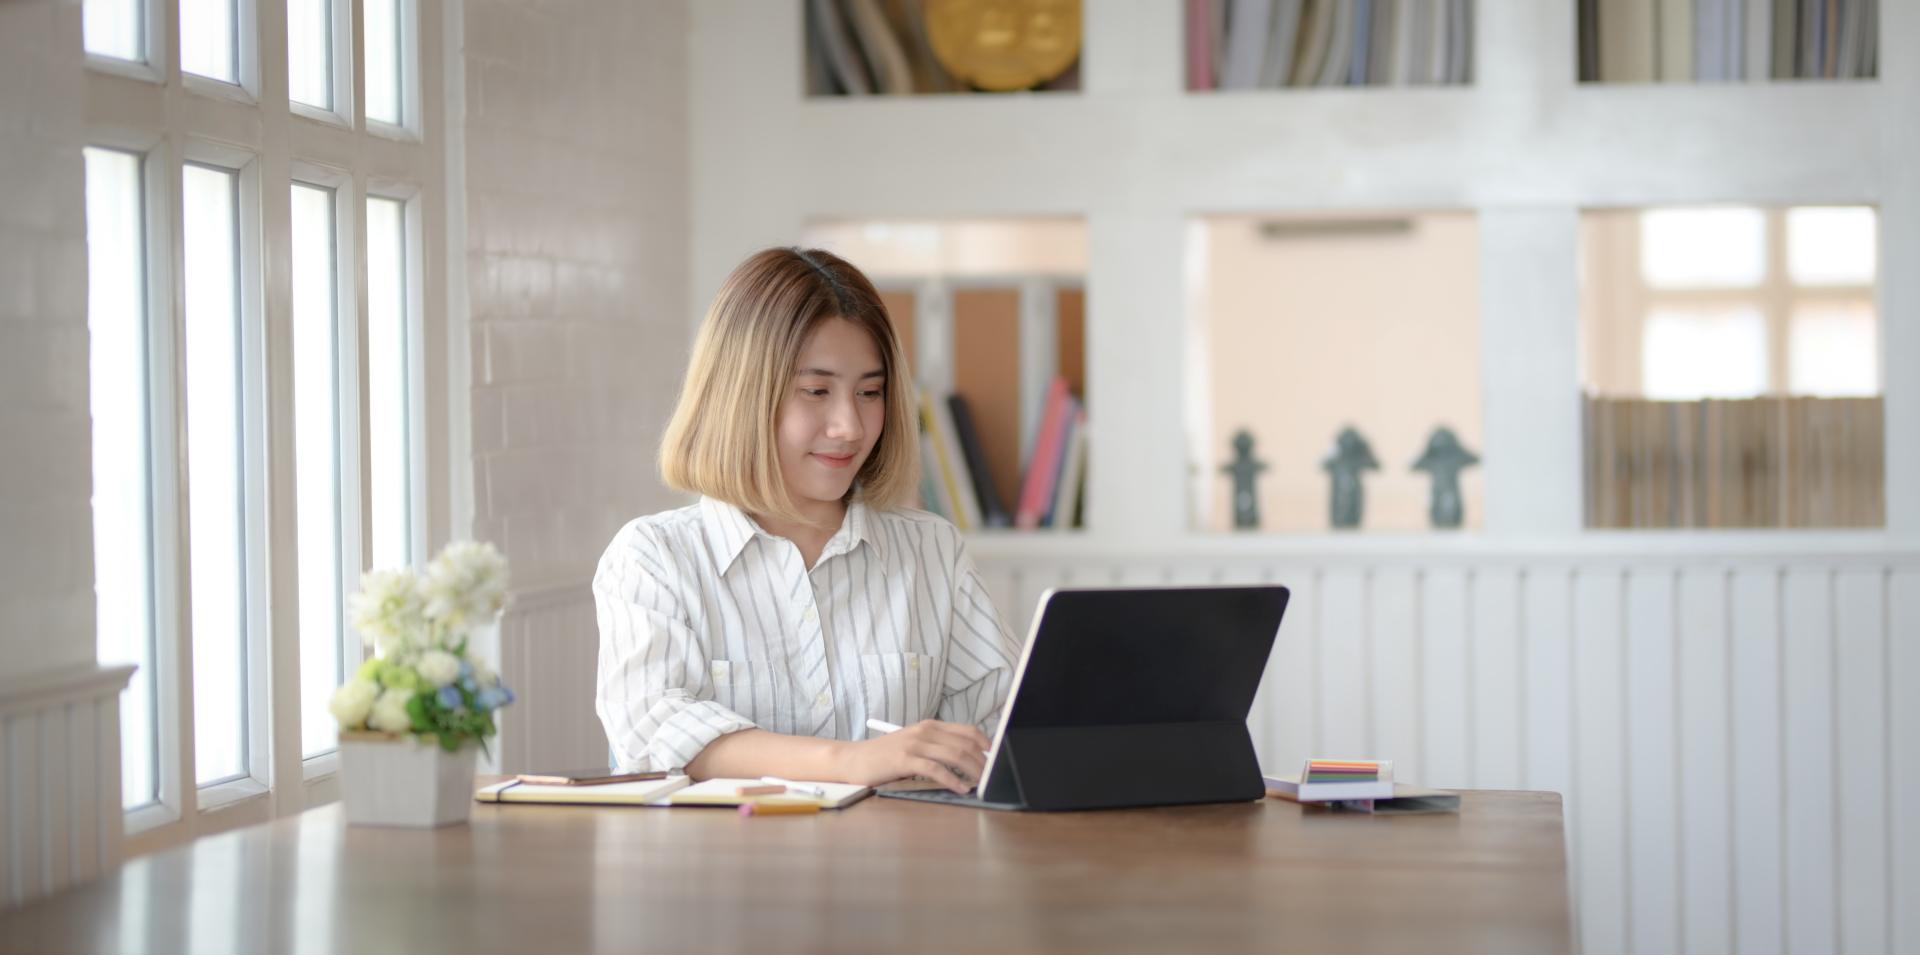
x=316, y=429
x=239, y=453
x=209, y=39
x=310, y=29
x=117, y=370
x=385, y=58
x=1732, y=369
x=210, y=202
x=387, y=386
x=114, y=28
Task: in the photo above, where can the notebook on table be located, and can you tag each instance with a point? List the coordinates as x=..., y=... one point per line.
x=638, y=793
x=726, y=792
x=672, y=791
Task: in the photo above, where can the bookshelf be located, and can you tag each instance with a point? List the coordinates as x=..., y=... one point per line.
x=1525, y=147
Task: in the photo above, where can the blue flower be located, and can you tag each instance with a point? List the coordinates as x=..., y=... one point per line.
x=494, y=697
x=449, y=697
x=466, y=670
x=468, y=685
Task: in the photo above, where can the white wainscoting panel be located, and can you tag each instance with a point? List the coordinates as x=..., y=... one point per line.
x=549, y=651
x=1728, y=730
x=60, y=814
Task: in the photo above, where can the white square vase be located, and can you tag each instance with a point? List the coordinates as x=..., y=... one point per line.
x=404, y=780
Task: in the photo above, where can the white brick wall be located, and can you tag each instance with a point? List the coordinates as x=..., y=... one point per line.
x=577, y=259
x=46, y=526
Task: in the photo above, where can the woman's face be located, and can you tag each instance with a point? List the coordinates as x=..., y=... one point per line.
x=830, y=417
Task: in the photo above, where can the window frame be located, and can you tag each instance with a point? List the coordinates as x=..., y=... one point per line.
x=170, y=119
x=1776, y=295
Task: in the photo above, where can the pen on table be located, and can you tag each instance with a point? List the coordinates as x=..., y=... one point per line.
x=795, y=787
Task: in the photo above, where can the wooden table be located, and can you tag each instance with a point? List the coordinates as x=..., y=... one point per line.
x=881, y=876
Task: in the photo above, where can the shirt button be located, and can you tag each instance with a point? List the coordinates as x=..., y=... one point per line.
x=913, y=663
x=810, y=615
x=822, y=700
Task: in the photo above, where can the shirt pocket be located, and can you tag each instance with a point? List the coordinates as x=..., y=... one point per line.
x=745, y=687
x=900, y=688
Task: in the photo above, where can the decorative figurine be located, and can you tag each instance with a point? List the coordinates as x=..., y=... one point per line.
x=1445, y=459
x=1351, y=455
x=1244, y=470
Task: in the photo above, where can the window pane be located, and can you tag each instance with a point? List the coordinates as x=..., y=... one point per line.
x=207, y=39
x=112, y=28
x=217, y=559
x=1703, y=248
x=1833, y=351
x=387, y=386
x=1831, y=246
x=383, y=55
x=1704, y=353
x=117, y=366
x=310, y=52
x=316, y=460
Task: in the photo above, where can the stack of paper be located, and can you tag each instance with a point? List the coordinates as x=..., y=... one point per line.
x=1326, y=780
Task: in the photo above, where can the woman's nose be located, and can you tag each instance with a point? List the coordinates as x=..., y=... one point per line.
x=843, y=420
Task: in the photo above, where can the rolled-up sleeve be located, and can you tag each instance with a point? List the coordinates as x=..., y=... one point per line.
x=653, y=692
x=981, y=652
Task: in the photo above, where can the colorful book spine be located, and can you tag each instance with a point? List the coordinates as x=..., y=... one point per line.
x=930, y=425
x=1042, y=464
x=966, y=504
x=993, y=507
x=1066, y=496
x=1070, y=432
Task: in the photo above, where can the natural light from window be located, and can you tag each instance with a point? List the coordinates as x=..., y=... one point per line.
x=387, y=384
x=217, y=562
x=112, y=28
x=207, y=39
x=383, y=59
x=316, y=431
x=310, y=52
x=1703, y=248
x=117, y=376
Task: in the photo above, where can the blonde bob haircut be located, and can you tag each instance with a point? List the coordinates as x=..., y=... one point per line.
x=721, y=439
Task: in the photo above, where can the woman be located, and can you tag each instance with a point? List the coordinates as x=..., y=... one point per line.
x=757, y=631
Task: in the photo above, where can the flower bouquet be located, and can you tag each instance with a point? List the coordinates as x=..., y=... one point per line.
x=413, y=715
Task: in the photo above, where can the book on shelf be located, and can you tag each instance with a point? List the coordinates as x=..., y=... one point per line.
x=1037, y=489
x=1678, y=41
x=1073, y=465
x=1269, y=44
x=956, y=480
x=962, y=504
x=993, y=507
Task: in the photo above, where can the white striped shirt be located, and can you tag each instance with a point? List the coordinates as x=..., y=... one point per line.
x=710, y=625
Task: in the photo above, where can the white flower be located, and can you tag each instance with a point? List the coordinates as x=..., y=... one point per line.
x=390, y=712
x=389, y=610
x=465, y=586
x=483, y=675
x=438, y=667
x=351, y=702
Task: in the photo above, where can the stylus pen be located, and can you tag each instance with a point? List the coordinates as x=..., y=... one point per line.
x=882, y=726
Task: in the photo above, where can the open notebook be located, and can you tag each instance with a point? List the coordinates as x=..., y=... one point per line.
x=673, y=791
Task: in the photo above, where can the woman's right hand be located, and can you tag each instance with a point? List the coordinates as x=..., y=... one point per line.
x=951, y=754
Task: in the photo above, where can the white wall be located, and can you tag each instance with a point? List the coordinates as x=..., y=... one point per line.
x=46, y=567
x=576, y=259
x=59, y=712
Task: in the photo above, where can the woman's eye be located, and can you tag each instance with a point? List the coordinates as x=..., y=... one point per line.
x=814, y=392
x=873, y=394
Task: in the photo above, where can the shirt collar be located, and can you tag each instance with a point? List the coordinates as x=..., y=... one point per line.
x=730, y=528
